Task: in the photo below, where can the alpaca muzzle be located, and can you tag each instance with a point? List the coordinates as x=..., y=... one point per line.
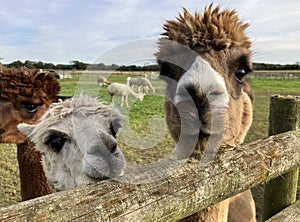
x=201, y=100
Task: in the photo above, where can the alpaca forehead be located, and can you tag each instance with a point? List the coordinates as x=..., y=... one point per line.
x=74, y=125
x=58, y=115
x=81, y=103
x=90, y=122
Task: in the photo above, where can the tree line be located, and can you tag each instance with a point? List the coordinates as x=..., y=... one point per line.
x=264, y=66
x=77, y=65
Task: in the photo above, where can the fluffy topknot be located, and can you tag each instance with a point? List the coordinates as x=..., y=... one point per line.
x=26, y=82
x=214, y=30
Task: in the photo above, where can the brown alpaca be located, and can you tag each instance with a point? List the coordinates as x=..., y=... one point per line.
x=204, y=60
x=25, y=96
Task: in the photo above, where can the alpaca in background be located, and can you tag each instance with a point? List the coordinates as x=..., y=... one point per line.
x=140, y=82
x=122, y=90
x=102, y=80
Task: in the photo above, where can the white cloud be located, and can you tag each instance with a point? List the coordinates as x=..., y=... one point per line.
x=60, y=31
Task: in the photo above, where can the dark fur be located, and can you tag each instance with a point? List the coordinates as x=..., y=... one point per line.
x=17, y=88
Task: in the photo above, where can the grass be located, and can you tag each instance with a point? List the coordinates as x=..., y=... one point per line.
x=146, y=124
x=9, y=175
x=280, y=86
x=263, y=89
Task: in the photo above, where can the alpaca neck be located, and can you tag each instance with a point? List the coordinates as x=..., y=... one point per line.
x=33, y=180
x=134, y=94
x=151, y=87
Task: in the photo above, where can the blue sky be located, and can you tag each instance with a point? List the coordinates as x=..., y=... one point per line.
x=94, y=30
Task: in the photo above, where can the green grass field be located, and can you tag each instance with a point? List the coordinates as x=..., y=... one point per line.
x=146, y=124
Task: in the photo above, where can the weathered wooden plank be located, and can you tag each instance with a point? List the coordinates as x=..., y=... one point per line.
x=289, y=214
x=186, y=191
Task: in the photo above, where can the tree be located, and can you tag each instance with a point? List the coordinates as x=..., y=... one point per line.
x=79, y=65
x=15, y=64
x=29, y=64
x=39, y=65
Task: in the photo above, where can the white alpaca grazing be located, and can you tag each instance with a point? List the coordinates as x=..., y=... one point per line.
x=122, y=90
x=77, y=140
x=140, y=82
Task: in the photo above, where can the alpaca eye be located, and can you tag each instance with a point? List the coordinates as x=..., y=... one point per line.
x=55, y=142
x=29, y=107
x=240, y=74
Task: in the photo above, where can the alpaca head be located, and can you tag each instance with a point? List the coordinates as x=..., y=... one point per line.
x=25, y=95
x=102, y=80
x=77, y=140
x=128, y=79
x=204, y=60
x=140, y=96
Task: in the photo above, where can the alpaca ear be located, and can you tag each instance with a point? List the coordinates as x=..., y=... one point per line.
x=26, y=129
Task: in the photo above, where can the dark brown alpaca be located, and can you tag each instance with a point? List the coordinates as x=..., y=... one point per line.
x=204, y=60
x=25, y=95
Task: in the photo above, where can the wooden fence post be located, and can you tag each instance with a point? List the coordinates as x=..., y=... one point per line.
x=281, y=191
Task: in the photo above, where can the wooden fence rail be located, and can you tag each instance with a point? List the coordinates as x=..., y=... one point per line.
x=290, y=214
x=291, y=75
x=188, y=190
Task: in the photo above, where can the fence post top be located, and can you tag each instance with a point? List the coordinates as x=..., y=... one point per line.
x=290, y=97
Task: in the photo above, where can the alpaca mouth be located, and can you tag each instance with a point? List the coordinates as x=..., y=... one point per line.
x=97, y=178
x=103, y=177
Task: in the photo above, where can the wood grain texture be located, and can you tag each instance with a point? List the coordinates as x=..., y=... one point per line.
x=188, y=190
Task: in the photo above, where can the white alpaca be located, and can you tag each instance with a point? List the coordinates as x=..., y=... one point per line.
x=128, y=79
x=131, y=82
x=122, y=90
x=77, y=140
x=140, y=82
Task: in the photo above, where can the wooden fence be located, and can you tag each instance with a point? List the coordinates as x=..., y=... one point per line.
x=188, y=190
x=291, y=75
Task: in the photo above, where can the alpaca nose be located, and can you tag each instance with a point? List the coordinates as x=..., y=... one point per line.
x=190, y=121
x=105, y=145
x=109, y=142
x=102, y=149
x=200, y=111
x=112, y=147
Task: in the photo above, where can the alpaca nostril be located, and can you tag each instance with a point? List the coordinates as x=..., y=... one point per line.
x=110, y=143
x=112, y=147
